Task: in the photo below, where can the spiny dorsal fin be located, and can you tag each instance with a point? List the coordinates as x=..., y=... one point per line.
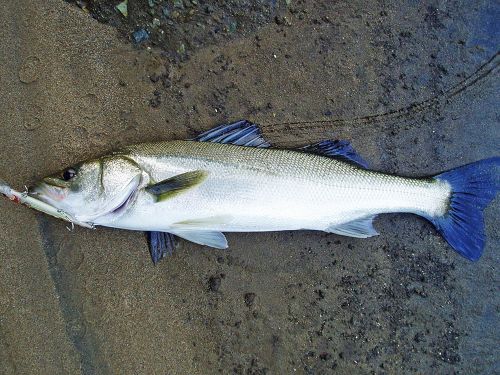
x=360, y=228
x=341, y=150
x=177, y=184
x=241, y=133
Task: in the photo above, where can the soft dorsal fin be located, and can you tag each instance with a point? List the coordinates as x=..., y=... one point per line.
x=341, y=150
x=177, y=184
x=359, y=228
x=241, y=133
x=160, y=244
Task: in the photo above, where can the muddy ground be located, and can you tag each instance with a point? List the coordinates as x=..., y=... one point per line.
x=414, y=86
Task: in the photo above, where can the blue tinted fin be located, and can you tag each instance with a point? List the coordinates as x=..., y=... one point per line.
x=241, y=133
x=336, y=149
x=203, y=237
x=160, y=244
x=473, y=187
x=360, y=228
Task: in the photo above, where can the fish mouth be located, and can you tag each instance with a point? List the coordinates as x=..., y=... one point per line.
x=56, y=182
x=48, y=192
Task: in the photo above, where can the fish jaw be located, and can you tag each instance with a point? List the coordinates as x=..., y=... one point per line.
x=48, y=192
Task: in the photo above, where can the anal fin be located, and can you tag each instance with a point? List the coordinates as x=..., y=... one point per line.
x=359, y=228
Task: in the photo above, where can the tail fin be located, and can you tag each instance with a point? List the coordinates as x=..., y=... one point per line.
x=473, y=187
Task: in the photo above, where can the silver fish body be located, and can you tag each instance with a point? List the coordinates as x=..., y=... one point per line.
x=259, y=189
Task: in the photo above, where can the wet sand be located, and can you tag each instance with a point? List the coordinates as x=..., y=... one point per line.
x=416, y=89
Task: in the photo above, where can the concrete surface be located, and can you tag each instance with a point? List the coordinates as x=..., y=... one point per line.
x=416, y=89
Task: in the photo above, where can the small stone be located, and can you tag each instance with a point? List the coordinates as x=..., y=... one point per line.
x=320, y=293
x=123, y=8
x=325, y=356
x=282, y=21
x=214, y=283
x=140, y=36
x=249, y=299
x=154, y=77
x=155, y=102
x=231, y=28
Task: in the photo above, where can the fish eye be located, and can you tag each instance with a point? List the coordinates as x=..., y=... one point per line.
x=68, y=174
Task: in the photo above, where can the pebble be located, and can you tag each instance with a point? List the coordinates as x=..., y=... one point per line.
x=214, y=283
x=140, y=36
x=249, y=299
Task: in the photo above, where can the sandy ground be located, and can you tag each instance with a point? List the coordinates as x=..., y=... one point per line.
x=416, y=89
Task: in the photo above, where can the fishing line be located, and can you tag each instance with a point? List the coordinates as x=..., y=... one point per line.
x=478, y=75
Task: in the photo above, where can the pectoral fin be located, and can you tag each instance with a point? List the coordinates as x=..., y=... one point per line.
x=360, y=228
x=208, y=238
x=177, y=184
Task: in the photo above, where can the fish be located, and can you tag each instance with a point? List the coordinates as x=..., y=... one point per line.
x=230, y=179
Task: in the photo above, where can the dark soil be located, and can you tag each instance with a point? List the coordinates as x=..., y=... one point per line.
x=180, y=27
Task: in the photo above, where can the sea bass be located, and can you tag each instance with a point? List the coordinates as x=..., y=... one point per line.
x=229, y=179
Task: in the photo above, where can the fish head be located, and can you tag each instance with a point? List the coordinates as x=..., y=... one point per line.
x=91, y=189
